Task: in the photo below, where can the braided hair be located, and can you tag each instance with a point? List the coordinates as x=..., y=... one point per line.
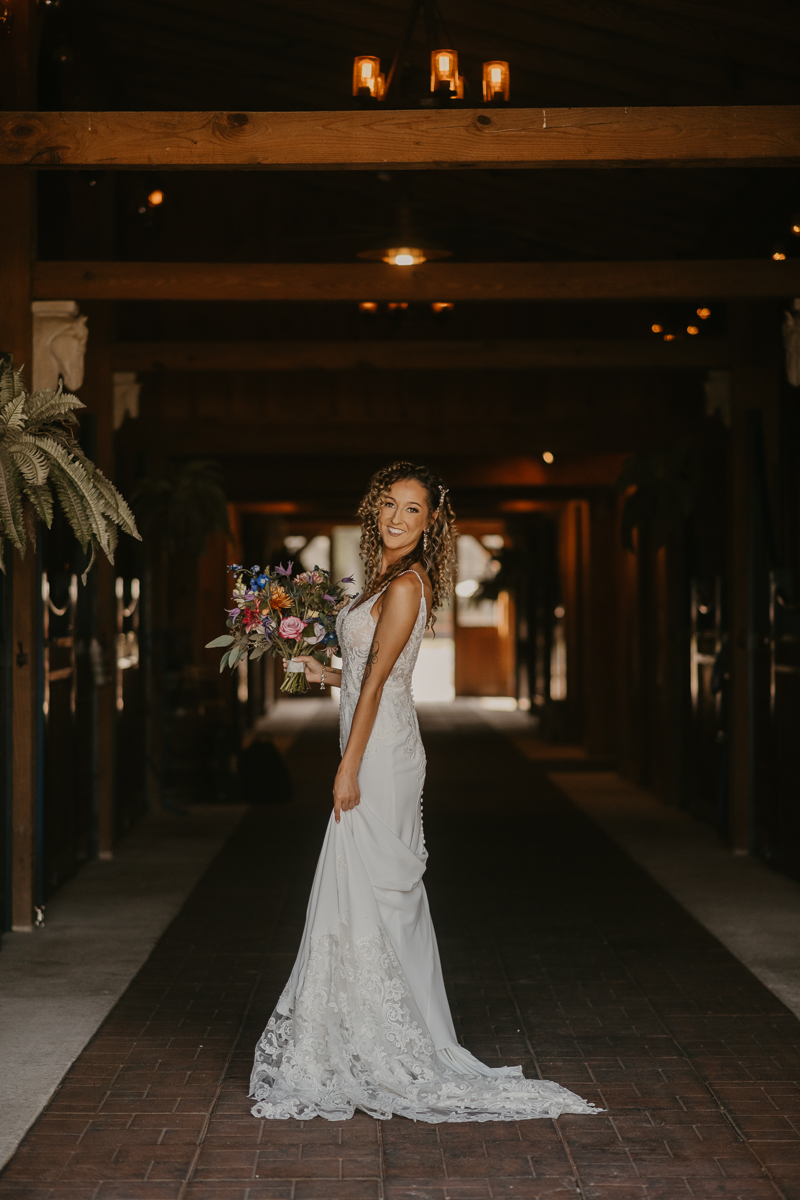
x=439, y=557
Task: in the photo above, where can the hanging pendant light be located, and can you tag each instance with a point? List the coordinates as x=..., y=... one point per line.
x=444, y=71
x=407, y=249
x=496, y=82
x=369, y=84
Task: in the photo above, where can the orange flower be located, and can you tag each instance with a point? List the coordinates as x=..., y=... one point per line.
x=278, y=598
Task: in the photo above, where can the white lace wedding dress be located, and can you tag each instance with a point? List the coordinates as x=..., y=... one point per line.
x=364, y=1021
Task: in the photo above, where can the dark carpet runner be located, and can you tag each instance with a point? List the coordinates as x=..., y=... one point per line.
x=559, y=953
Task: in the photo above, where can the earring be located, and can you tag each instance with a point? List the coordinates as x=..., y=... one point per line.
x=425, y=541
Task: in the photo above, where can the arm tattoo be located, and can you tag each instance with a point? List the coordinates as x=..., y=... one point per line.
x=372, y=657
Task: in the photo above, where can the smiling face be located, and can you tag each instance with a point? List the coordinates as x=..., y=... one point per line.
x=402, y=517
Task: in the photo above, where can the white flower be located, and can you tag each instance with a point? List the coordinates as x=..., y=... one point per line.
x=319, y=630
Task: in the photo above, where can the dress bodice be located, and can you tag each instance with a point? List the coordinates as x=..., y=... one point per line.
x=396, y=719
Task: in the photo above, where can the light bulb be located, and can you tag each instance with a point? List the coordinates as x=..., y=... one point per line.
x=704, y=313
x=155, y=198
x=779, y=256
x=692, y=329
x=669, y=337
x=657, y=328
x=404, y=256
x=444, y=70
x=367, y=78
x=548, y=456
x=495, y=81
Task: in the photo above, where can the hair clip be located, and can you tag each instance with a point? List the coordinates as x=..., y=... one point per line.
x=442, y=493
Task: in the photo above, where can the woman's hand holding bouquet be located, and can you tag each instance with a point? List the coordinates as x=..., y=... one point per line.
x=288, y=616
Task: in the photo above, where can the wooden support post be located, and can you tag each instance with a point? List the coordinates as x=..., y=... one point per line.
x=755, y=392
x=17, y=89
x=600, y=632
x=97, y=393
x=25, y=582
x=630, y=722
x=572, y=563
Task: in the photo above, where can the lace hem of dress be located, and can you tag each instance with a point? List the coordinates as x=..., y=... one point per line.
x=352, y=1038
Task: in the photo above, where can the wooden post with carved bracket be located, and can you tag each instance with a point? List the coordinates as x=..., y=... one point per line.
x=17, y=91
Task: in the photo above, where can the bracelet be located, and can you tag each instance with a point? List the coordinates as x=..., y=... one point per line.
x=322, y=681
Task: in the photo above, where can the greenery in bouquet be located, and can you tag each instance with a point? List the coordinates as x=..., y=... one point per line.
x=277, y=612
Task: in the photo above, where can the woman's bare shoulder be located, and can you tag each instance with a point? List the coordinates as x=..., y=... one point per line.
x=404, y=586
x=409, y=581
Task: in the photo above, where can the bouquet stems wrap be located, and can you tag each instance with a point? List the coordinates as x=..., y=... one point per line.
x=295, y=682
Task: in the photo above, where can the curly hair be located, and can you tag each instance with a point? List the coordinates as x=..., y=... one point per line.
x=439, y=557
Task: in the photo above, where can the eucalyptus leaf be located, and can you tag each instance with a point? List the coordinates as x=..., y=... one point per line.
x=225, y=640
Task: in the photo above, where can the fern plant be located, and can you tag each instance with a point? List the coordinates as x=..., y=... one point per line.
x=41, y=461
x=184, y=506
x=664, y=495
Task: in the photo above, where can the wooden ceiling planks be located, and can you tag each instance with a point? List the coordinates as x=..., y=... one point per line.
x=580, y=53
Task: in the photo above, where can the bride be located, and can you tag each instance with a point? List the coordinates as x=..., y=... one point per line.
x=364, y=1020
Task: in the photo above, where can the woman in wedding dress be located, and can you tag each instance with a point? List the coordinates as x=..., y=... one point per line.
x=364, y=1020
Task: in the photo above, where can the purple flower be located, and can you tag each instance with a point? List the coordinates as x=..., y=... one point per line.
x=349, y=579
x=233, y=613
x=285, y=570
x=249, y=595
x=331, y=598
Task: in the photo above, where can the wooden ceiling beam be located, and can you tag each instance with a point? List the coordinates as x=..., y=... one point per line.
x=593, y=432
x=713, y=279
x=688, y=353
x=760, y=135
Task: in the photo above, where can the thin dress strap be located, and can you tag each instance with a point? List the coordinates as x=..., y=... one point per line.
x=422, y=600
x=410, y=571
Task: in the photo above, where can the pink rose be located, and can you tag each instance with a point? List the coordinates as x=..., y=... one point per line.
x=291, y=629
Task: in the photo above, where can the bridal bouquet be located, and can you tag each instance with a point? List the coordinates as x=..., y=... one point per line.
x=282, y=614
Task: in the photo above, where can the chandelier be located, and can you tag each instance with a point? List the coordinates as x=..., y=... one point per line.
x=371, y=86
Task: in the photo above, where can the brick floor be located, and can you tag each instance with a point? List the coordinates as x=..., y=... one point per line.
x=559, y=953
